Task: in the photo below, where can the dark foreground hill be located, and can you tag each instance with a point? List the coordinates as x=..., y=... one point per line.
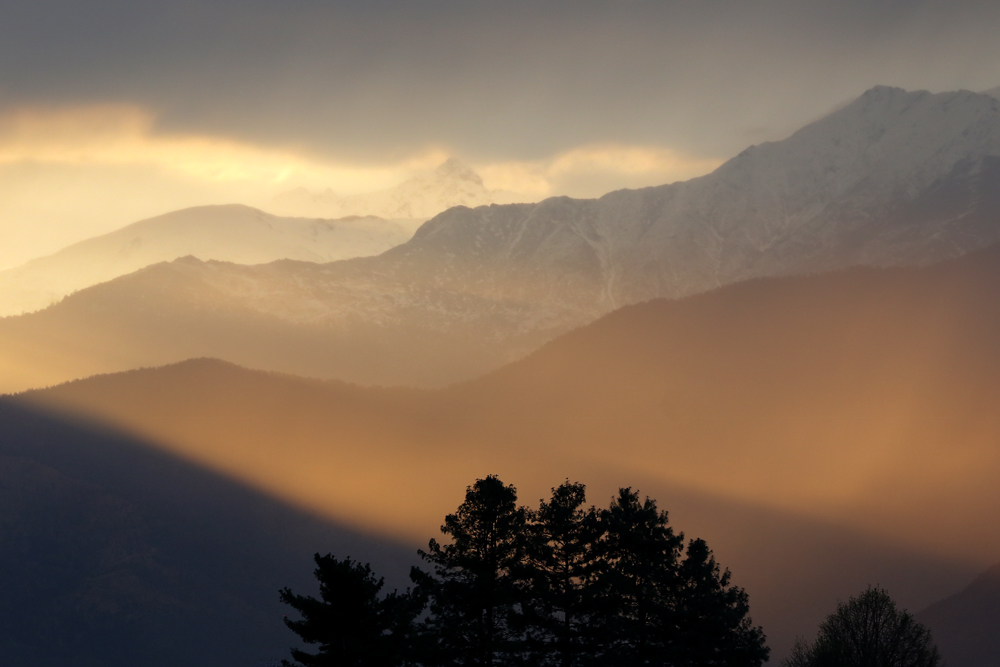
x=967, y=625
x=115, y=554
x=121, y=550
x=821, y=432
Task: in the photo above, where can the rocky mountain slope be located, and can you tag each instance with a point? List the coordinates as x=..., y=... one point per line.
x=895, y=178
x=424, y=196
x=232, y=233
x=966, y=625
x=821, y=432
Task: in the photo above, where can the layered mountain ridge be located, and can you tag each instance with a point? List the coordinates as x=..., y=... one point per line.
x=231, y=233
x=821, y=432
x=894, y=178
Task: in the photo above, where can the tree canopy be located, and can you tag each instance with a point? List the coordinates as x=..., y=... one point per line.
x=565, y=585
x=868, y=631
x=351, y=622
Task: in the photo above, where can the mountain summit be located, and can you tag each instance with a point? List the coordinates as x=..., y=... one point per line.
x=452, y=183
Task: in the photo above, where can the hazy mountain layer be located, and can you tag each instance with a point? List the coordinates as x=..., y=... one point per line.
x=423, y=196
x=893, y=178
x=965, y=625
x=345, y=448
x=229, y=233
x=784, y=419
x=114, y=554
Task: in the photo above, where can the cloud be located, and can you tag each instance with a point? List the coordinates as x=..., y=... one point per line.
x=117, y=135
x=592, y=170
x=77, y=171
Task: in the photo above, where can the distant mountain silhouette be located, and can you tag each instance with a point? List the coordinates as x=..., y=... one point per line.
x=230, y=233
x=115, y=554
x=966, y=626
x=894, y=178
x=785, y=420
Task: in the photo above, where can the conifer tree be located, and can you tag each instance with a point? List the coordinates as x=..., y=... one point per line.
x=352, y=624
x=563, y=537
x=635, y=619
x=712, y=616
x=473, y=588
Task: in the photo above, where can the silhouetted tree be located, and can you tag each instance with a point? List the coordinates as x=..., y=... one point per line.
x=565, y=586
x=868, y=631
x=712, y=616
x=637, y=579
x=474, y=587
x=563, y=538
x=352, y=624
x=655, y=608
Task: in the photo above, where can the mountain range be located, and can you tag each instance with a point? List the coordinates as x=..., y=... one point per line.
x=232, y=233
x=822, y=432
x=423, y=196
x=894, y=178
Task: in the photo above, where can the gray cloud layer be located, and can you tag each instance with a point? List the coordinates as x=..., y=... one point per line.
x=490, y=80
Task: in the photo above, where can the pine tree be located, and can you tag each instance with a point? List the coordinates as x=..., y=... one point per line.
x=352, y=624
x=473, y=589
x=712, y=616
x=563, y=536
x=638, y=570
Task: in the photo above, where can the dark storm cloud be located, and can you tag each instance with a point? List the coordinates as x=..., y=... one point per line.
x=491, y=80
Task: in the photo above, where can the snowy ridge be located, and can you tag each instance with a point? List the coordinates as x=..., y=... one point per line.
x=894, y=178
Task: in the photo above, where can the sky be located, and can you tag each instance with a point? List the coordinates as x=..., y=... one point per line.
x=115, y=110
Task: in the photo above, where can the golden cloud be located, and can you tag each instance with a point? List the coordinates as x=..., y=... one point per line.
x=69, y=173
x=111, y=135
x=596, y=169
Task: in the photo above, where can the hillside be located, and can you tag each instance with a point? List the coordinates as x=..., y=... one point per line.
x=965, y=625
x=788, y=421
x=114, y=553
x=895, y=178
x=233, y=233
